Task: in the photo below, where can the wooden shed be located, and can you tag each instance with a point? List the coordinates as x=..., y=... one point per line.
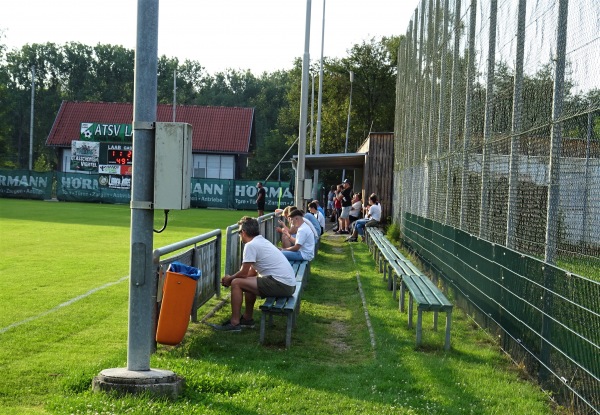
x=378, y=175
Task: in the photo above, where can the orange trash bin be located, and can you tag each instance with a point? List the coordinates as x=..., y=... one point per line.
x=176, y=307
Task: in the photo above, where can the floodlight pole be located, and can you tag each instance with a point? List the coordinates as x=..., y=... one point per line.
x=348, y=125
x=138, y=377
x=31, y=118
x=299, y=193
x=320, y=101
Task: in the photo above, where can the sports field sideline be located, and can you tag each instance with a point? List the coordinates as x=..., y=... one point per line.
x=64, y=295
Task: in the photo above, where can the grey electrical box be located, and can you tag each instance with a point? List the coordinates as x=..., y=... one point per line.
x=172, y=165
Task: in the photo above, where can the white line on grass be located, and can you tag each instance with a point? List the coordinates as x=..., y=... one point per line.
x=65, y=304
x=364, y=302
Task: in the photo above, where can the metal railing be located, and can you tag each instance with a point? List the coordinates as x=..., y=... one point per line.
x=204, y=253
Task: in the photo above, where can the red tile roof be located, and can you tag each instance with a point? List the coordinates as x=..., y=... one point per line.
x=215, y=129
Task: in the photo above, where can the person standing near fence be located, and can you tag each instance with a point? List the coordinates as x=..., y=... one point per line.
x=261, y=197
x=264, y=272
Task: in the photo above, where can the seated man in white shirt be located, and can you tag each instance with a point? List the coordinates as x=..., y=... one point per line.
x=314, y=210
x=303, y=248
x=264, y=272
x=373, y=218
x=286, y=242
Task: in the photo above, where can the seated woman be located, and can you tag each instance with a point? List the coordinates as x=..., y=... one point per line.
x=372, y=218
x=356, y=208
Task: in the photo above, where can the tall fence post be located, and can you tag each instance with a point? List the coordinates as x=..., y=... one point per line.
x=468, y=116
x=513, y=169
x=553, y=214
x=484, y=212
x=433, y=106
x=454, y=97
x=441, y=108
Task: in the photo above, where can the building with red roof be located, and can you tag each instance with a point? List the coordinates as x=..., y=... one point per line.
x=222, y=140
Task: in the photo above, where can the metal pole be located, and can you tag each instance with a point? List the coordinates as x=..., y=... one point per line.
x=437, y=105
x=312, y=110
x=142, y=286
x=31, y=118
x=484, y=212
x=454, y=97
x=416, y=66
x=320, y=101
x=552, y=216
x=418, y=151
x=513, y=169
x=427, y=94
x=586, y=191
x=299, y=193
x=468, y=116
x=404, y=154
x=174, y=94
x=556, y=134
x=348, y=124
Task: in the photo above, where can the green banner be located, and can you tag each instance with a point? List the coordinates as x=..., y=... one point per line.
x=94, y=131
x=105, y=188
x=74, y=187
x=244, y=195
x=26, y=184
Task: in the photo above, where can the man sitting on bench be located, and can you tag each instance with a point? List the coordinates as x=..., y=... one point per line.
x=303, y=248
x=372, y=218
x=264, y=272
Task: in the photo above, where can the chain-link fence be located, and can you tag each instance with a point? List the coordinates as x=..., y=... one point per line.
x=498, y=137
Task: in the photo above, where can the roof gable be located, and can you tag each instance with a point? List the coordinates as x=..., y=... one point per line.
x=215, y=129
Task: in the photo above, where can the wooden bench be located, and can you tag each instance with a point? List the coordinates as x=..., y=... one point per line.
x=390, y=261
x=428, y=297
x=288, y=307
x=422, y=290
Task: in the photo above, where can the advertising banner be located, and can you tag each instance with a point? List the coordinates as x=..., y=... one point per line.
x=244, y=195
x=94, y=131
x=26, y=184
x=112, y=186
x=75, y=187
x=84, y=155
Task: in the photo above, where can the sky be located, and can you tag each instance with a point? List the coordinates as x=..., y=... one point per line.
x=260, y=35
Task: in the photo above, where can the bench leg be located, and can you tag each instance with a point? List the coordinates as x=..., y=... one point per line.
x=410, y=311
x=402, y=293
x=448, y=324
x=263, y=321
x=394, y=284
x=435, y=320
x=288, y=330
x=419, y=326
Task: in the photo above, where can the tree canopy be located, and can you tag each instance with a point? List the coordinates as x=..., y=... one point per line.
x=79, y=72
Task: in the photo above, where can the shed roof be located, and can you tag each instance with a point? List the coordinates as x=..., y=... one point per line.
x=215, y=129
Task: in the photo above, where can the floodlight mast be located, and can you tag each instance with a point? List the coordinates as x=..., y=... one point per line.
x=299, y=191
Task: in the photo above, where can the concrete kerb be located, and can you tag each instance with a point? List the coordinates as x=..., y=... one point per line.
x=156, y=382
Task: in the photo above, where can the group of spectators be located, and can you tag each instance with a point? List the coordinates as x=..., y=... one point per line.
x=347, y=211
x=266, y=269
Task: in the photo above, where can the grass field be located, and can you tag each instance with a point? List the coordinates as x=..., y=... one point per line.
x=65, y=298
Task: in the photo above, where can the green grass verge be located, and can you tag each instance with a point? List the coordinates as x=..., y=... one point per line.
x=333, y=366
